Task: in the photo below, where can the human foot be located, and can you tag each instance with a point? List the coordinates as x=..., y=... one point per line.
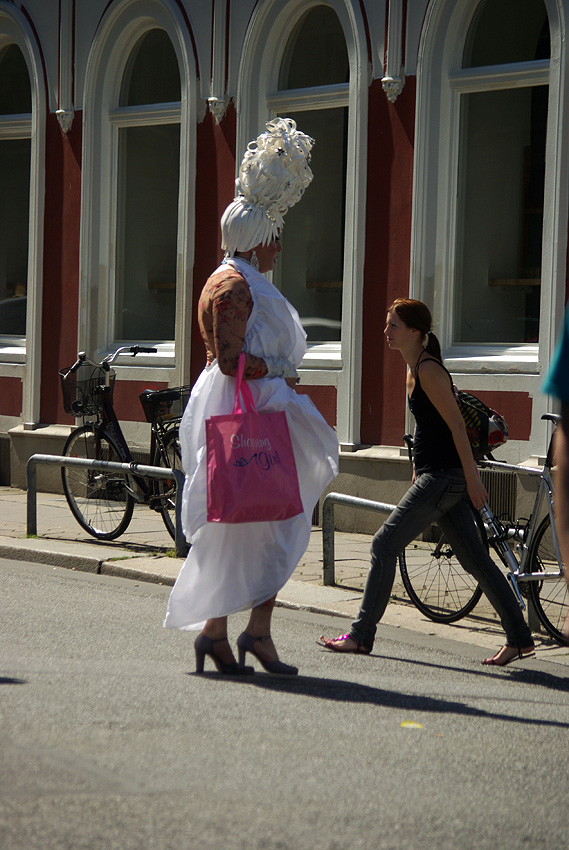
x=507, y=654
x=219, y=651
x=263, y=649
x=344, y=643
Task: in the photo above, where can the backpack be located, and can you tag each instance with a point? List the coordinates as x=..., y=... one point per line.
x=485, y=428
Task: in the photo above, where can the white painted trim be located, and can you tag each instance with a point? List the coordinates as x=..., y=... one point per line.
x=65, y=107
x=487, y=78
x=394, y=78
x=15, y=28
x=322, y=97
x=122, y=25
x=217, y=99
x=435, y=181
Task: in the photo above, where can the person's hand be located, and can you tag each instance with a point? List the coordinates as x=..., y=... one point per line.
x=477, y=492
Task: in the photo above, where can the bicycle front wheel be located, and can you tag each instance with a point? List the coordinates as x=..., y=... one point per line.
x=98, y=500
x=550, y=596
x=169, y=456
x=435, y=581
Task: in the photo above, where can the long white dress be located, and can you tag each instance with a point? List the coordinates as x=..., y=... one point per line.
x=234, y=567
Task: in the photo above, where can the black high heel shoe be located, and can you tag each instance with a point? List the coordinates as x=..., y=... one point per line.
x=246, y=643
x=204, y=645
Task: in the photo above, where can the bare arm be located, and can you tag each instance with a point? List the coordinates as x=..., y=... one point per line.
x=562, y=494
x=436, y=385
x=562, y=481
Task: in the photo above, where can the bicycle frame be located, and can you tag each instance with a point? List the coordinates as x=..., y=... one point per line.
x=108, y=420
x=519, y=570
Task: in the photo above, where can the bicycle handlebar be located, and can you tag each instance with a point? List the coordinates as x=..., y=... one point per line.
x=110, y=358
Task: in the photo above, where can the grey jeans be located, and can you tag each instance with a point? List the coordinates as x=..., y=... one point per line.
x=439, y=497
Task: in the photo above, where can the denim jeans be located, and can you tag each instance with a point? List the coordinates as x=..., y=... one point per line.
x=439, y=497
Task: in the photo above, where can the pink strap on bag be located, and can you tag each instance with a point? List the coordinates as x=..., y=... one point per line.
x=251, y=470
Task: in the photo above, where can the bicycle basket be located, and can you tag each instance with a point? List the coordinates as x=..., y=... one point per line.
x=83, y=390
x=164, y=406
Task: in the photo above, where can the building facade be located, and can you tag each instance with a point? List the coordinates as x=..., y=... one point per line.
x=441, y=172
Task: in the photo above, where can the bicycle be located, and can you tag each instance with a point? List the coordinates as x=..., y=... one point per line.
x=444, y=592
x=103, y=502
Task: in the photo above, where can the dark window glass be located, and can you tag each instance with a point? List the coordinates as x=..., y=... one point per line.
x=152, y=74
x=149, y=173
x=316, y=52
x=14, y=227
x=505, y=31
x=15, y=92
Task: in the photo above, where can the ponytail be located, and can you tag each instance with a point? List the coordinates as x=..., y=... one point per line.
x=433, y=346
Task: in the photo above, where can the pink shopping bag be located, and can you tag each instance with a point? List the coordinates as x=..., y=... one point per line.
x=251, y=471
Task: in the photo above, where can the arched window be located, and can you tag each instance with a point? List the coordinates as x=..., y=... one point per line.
x=15, y=154
x=501, y=167
x=490, y=194
x=309, y=61
x=147, y=148
x=313, y=88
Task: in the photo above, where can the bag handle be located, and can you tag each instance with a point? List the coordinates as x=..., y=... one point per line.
x=241, y=386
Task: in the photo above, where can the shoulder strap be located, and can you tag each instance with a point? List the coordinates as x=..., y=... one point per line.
x=434, y=360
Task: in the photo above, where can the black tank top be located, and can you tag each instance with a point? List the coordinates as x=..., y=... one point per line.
x=434, y=447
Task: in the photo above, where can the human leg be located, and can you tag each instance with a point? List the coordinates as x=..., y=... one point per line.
x=421, y=505
x=460, y=530
x=257, y=640
x=212, y=641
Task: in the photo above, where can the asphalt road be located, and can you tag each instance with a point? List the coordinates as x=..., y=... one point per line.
x=108, y=739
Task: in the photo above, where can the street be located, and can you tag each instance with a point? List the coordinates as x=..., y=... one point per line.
x=110, y=741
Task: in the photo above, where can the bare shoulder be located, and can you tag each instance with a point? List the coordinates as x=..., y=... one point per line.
x=433, y=368
x=433, y=374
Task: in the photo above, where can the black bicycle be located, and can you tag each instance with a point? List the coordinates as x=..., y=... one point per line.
x=102, y=501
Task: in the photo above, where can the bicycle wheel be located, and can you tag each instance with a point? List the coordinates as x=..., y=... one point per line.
x=170, y=457
x=435, y=581
x=98, y=500
x=549, y=596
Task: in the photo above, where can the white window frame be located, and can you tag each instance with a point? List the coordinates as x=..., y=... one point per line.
x=319, y=355
x=120, y=30
x=22, y=358
x=441, y=82
x=272, y=23
x=122, y=118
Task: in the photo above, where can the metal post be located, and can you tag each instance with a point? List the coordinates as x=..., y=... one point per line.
x=130, y=468
x=31, y=505
x=328, y=576
x=180, y=540
x=328, y=525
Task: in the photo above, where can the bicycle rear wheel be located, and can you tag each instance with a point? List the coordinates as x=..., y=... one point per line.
x=435, y=581
x=170, y=457
x=98, y=500
x=550, y=596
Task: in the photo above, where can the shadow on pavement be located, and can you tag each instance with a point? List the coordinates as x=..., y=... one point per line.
x=338, y=690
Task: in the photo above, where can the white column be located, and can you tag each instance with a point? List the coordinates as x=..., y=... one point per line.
x=394, y=78
x=217, y=99
x=65, y=111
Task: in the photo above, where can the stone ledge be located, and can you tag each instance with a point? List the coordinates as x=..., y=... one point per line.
x=44, y=439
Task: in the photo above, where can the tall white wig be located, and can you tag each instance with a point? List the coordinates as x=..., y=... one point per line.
x=272, y=178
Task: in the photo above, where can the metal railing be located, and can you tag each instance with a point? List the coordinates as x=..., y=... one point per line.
x=328, y=525
x=130, y=468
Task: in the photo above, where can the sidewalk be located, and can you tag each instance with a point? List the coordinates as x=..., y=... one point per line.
x=145, y=553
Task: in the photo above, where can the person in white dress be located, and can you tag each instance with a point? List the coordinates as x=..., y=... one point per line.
x=236, y=567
